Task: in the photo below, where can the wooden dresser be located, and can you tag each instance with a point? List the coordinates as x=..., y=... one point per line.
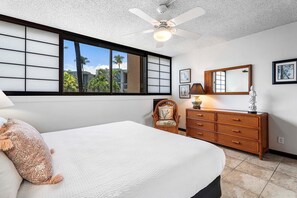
x=236, y=129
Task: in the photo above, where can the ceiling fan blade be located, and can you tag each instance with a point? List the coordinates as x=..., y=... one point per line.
x=187, y=16
x=159, y=44
x=140, y=32
x=147, y=31
x=186, y=34
x=144, y=16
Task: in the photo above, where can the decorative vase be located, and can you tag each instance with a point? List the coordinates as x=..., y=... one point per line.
x=197, y=102
x=252, y=100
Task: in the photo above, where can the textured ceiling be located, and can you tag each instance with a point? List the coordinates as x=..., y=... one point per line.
x=110, y=19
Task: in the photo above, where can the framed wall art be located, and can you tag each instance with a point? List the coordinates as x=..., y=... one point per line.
x=284, y=71
x=184, y=91
x=185, y=76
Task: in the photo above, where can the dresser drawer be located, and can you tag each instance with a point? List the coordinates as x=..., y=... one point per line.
x=200, y=134
x=208, y=116
x=238, y=143
x=238, y=119
x=238, y=131
x=210, y=126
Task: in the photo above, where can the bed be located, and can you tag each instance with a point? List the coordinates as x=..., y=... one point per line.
x=129, y=160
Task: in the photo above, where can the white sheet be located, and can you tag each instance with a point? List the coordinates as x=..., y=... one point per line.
x=128, y=160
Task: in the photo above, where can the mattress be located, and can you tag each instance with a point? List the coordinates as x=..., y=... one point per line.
x=128, y=160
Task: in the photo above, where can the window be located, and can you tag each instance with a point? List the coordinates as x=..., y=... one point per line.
x=159, y=80
x=86, y=68
x=220, y=81
x=29, y=59
x=127, y=73
x=92, y=72
x=38, y=60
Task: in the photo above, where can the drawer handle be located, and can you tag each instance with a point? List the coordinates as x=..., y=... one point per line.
x=235, y=142
x=200, y=115
x=199, y=124
x=236, y=119
x=236, y=131
x=199, y=133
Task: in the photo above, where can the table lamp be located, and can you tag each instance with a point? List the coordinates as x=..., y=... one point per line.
x=197, y=90
x=4, y=101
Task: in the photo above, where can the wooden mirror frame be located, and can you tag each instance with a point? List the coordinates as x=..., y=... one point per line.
x=208, y=80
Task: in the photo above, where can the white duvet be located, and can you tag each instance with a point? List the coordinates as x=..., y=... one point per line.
x=129, y=160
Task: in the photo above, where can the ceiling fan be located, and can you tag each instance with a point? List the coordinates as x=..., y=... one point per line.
x=164, y=29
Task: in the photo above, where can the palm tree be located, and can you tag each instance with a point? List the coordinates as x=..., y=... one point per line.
x=118, y=59
x=83, y=61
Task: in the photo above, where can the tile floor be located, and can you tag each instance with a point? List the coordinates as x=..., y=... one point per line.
x=247, y=176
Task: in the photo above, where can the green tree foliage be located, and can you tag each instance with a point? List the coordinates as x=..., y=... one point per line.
x=70, y=83
x=118, y=59
x=84, y=60
x=116, y=80
x=100, y=83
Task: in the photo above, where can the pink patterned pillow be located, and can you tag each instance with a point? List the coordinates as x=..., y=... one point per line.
x=25, y=147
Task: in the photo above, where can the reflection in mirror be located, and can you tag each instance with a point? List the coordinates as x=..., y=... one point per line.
x=232, y=80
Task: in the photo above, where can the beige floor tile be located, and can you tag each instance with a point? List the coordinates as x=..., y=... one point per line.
x=235, y=154
x=230, y=190
x=226, y=171
x=287, y=168
x=275, y=191
x=246, y=181
x=232, y=162
x=284, y=180
x=270, y=161
x=255, y=170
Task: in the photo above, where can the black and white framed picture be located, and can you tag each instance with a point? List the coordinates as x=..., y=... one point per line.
x=284, y=71
x=185, y=76
x=184, y=91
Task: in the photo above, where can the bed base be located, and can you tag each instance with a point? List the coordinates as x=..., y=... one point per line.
x=213, y=190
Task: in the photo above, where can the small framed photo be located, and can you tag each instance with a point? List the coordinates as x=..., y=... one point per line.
x=185, y=76
x=284, y=71
x=184, y=91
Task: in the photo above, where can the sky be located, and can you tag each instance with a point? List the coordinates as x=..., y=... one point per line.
x=98, y=57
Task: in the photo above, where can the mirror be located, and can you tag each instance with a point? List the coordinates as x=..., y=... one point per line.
x=231, y=80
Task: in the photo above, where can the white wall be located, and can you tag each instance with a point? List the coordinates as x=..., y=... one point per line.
x=259, y=50
x=51, y=113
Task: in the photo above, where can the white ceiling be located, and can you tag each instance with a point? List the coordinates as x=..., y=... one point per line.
x=110, y=19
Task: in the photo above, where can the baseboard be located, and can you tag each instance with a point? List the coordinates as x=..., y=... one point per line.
x=181, y=129
x=289, y=155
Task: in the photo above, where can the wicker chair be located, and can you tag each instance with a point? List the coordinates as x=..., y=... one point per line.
x=168, y=125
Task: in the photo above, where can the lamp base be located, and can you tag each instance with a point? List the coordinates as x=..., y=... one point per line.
x=197, y=102
x=197, y=105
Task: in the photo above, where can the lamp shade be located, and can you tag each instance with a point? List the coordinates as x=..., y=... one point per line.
x=197, y=89
x=4, y=100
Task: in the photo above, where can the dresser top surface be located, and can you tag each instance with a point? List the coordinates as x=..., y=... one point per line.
x=227, y=110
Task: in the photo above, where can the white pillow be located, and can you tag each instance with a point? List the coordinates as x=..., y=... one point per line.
x=10, y=180
x=166, y=112
x=2, y=121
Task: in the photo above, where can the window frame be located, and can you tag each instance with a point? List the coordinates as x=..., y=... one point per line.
x=66, y=35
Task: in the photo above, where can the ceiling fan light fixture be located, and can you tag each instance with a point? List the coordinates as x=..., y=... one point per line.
x=162, y=34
